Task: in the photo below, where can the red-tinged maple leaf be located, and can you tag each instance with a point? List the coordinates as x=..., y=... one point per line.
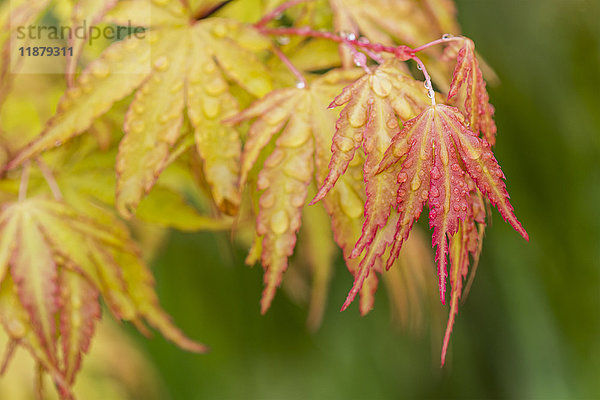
x=79, y=311
x=438, y=152
x=464, y=244
x=374, y=105
x=468, y=92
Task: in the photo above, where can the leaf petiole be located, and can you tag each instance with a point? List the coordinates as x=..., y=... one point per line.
x=24, y=181
x=52, y=184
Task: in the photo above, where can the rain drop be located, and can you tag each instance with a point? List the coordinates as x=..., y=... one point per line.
x=161, y=64
x=100, y=70
x=262, y=182
x=137, y=126
x=210, y=67
x=274, y=159
x=139, y=108
x=446, y=36
x=211, y=107
x=300, y=85
x=215, y=87
x=381, y=86
x=402, y=177
x=357, y=118
x=219, y=30
x=177, y=87
x=344, y=144
x=267, y=200
x=392, y=123
x=279, y=222
x=350, y=203
x=416, y=183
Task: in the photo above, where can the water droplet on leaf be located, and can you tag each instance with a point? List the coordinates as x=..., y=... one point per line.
x=279, y=222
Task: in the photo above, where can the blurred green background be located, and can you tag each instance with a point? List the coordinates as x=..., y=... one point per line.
x=531, y=326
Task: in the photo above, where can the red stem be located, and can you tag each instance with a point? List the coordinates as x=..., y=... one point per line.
x=402, y=52
x=291, y=67
x=438, y=41
x=428, y=84
x=278, y=11
x=52, y=184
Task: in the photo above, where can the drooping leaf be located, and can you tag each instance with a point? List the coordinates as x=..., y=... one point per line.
x=393, y=89
x=438, y=152
x=465, y=243
x=16, y=323
x=79, y=311
x=35, y=274
x=411, y=285
x=468, y=92
x=374, y=106
x=287, y=171
x=318, y=248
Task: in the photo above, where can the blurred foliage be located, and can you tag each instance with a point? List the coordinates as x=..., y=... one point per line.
x=115, y=369
x=530, y=327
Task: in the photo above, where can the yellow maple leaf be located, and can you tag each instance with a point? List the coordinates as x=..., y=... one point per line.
x=190, y=62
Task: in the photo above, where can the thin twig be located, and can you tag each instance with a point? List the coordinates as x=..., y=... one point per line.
x=24, y=181
x=444, y=39
x=52, y=184
x=278, y=11
x=402, y=52
x=360, y=59
x=428, y=84
x=301, y=80
x=8, y=355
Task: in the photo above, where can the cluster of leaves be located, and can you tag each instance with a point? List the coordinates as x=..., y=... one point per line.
x=256, y=124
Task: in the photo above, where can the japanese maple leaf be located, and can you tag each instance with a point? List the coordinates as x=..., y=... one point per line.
x=374, y=105
x=60, y=261
x=468, y=93
x=465, y=244
x=298, y=116
x=437, y=153
x=177, y=65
